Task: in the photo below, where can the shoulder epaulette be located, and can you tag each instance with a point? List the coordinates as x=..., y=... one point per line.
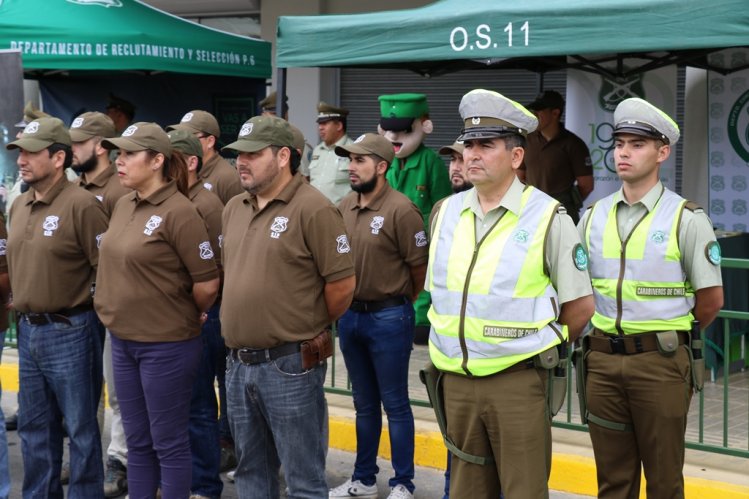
x=693, y=207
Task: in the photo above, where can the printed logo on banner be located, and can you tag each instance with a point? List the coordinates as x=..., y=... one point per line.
x=738, y=126
x=614, y=91
x=102, y=3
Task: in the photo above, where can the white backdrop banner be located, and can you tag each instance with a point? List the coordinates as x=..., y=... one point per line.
x=728, y=149
x=591, y=100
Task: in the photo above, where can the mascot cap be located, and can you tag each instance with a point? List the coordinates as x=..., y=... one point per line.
x=397, y=111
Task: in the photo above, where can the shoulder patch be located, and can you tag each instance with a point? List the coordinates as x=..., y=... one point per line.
x=693, y=207
x=712, y=252
x=580, y=257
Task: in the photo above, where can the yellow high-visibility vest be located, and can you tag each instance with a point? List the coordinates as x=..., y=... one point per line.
x=639, y=284
x=493, y=305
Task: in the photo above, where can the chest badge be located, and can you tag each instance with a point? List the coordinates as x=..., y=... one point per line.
x=521, y=236
x=279, y=225
x=658, y=237
x=208, y=186
x=153, y=223
x=50, y=225
x=376, y=224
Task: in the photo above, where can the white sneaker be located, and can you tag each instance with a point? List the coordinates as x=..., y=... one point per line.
x=354, y=489
x=400, y=492
x=230, y=475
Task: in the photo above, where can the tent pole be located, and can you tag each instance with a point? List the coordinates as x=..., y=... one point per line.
x=540, y=79
x=281, y=92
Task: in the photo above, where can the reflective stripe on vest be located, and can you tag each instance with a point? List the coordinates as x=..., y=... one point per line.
x=639, y=285
x=495, y=291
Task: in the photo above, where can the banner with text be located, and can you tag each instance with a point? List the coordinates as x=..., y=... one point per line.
x=728, y=149
x=591, y=100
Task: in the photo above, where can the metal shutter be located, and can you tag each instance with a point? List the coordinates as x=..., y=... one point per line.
x=360, y=88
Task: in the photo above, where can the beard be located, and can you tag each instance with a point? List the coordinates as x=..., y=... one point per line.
x=463, y=186
x=365, y=187
x=86, y=166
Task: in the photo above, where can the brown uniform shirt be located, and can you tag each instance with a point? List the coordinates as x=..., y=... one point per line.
x=153, y=252
x=209, y=207
x=387, y=239
x=219, y=177
x=3, y=269
x=553, y=165
x=106, y=187
x=53, y=248
x=276, y=263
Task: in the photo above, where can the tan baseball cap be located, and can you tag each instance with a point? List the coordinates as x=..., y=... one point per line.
x=262, y=131
x=186, y=143
x=298, y=138
x=139, y=137
x=455, y=147
x=30, y=113
x=40, y=134
x=369, y=143
x=92, y=124
x=198, y=121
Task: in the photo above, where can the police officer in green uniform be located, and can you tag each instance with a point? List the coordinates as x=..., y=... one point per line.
x=509, y=285
x=417, y=171
x=328, y=172
x=655, y=269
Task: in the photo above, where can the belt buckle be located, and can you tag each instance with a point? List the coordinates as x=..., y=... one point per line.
x=249, y=356
x=617, y=345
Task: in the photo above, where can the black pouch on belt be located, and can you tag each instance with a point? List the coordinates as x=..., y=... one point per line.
x=316, y=350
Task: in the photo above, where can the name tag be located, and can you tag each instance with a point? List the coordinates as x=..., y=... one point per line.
x=508, y=332
x=659, y=291
x=421, y=187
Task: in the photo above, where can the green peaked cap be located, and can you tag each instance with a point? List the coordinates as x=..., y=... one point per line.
x=403, y=106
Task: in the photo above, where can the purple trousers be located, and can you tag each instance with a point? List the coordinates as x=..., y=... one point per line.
x=154, y=386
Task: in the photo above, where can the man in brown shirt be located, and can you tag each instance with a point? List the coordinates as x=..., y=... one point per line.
x=217, y=175
x=556, y=160
x=52, y=258
x=99, y=176
x=206, y=444
x=91, y=160
x=288, y=275
x=377, y=332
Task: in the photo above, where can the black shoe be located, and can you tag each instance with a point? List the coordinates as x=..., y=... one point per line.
x=228, y=459
x=115, y=478
x=11, y=422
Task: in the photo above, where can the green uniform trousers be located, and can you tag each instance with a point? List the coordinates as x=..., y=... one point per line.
x=504, y=416
x=650, y=393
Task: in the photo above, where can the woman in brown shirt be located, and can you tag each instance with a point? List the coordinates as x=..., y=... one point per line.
x=157, y=277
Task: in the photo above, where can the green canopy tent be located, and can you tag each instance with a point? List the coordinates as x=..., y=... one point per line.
x=533, y=34
x=123, y=35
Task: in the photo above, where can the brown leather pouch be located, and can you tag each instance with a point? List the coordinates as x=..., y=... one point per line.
x=316, y=350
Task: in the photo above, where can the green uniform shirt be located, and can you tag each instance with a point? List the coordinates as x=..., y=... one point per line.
x=695, y=233
x=328, y=172
x=423, y=179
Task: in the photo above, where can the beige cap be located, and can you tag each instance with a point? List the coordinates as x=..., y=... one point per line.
x=639, y=117
x=487, y=114
x=456, y=147
x=140, y=137
x=326, y=112
x=369, y=143
x=91, y=124
x=40, y=134
x=30, y=113
x=198, y=121
x=298, y=138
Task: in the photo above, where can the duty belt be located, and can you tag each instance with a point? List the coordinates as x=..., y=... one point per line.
x=628, y=345
x=376, y=306
x=251, y=356
x=59, y=317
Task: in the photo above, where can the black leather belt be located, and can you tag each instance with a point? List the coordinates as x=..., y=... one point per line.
x=251, y=356
x=59, y=317
x=376, y=306
x=628, y=345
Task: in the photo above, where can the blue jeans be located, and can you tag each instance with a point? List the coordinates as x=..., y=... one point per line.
x=154, y=386
x=275, y=413
x=60, y=374
x=204, y=426
x=4, y=467
x=376, y=348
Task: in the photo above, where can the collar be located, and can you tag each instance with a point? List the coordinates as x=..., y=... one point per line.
x=55, y=191
x=511, y=201
x=649, y=200
x=284, y=196
x=340, y=142
x=101, y=179
x=209, y=165
x=376, y=202
x=159, y=196
x=195, y=189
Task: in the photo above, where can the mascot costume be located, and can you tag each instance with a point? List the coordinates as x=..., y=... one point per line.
x=417, y=171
